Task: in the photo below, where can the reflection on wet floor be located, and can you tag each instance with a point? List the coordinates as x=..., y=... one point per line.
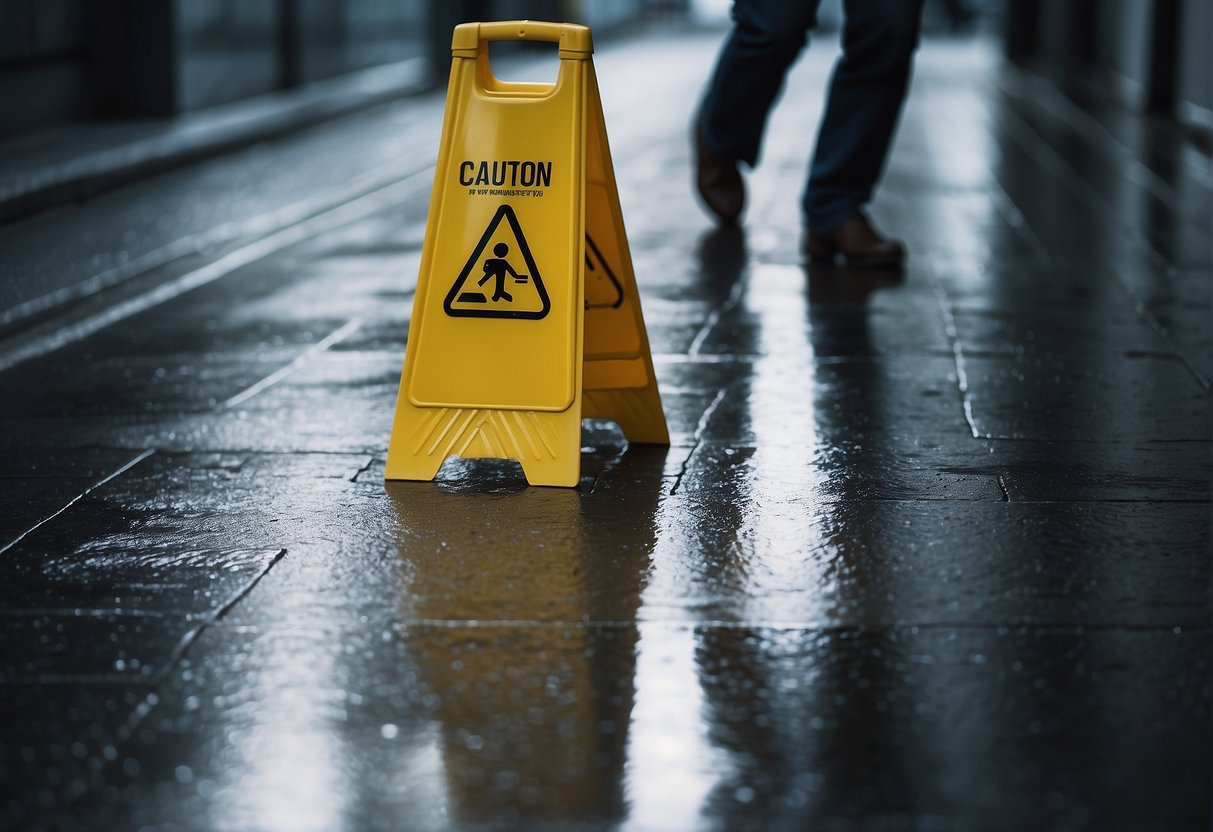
x=929, y=549
x=533, y=681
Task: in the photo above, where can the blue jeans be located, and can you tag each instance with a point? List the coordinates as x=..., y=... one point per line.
x=865, y=97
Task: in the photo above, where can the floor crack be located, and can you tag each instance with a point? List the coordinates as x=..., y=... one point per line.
x=129, y=465
x=363, y=469
x=700, y=427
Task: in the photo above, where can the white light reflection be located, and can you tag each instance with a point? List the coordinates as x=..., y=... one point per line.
x=287, y=764
x=418, y=783
x=671, y=764
x=773, y=569
x=293, y=769
x=785, y=565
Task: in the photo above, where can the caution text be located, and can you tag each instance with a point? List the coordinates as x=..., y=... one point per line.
x=509, y=173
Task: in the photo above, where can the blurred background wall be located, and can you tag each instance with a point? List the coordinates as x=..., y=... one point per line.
x=74, y=60
x=1147, y=55
x=67, y=60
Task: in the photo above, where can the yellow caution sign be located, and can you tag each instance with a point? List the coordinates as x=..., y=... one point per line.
x=526, y=316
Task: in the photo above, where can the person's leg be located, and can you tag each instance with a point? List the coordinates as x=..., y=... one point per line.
x=865, y=98
x=767, y=36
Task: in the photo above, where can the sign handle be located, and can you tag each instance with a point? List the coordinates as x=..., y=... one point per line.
x=575, y=41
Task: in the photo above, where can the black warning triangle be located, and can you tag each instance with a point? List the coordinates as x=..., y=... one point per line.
x=500, y=279
x=602, y=288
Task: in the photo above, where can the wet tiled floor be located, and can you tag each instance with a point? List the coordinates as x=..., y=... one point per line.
x=928, y=551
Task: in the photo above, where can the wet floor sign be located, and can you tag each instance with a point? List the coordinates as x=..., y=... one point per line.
x=526, y=316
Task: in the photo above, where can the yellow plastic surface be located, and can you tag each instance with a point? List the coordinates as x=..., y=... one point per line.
x=618, y=379
x=525, y=273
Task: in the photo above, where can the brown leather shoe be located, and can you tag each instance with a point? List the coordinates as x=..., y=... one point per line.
x=719, y=183
x=858, y=243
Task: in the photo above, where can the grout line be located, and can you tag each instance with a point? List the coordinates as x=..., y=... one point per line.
x=329, y=220
x=278, y=375
x=152, y=699
x=1039, y=99
x=80, y=679
x=1038, y=147
x=1069, y=177
x=1016, y=628
x=129, y=465
x=1152, y=321
x=1013, y=216
x=714, y=318
x=962, y=376
x=217, y=235
x=192, y=635
x=1034, y=628
x=1029, y=628
x=83, y=612
x=260, y=452
x=156, y=258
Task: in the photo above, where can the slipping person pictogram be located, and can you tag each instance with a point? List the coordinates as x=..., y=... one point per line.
x=500, y=247
x=497, y=267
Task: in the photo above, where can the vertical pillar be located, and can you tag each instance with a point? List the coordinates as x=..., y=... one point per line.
x=1162, y=60
x=290, y=48
x=1081, y=32
x=133, y=57
x=1021, y=29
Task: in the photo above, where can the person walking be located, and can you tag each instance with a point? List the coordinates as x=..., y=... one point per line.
x=865, y=97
